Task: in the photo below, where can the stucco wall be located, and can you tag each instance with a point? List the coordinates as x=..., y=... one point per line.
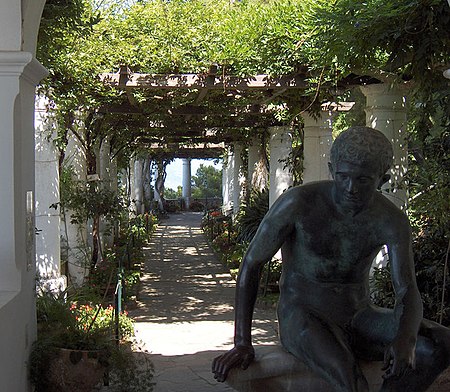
x=19, y=72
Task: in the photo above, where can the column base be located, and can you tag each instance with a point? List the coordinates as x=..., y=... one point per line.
x=53, y=285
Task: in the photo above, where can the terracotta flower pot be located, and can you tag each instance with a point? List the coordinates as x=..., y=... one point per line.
x=76, y=370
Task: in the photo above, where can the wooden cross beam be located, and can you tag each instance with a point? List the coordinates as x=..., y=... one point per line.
x=201, y=81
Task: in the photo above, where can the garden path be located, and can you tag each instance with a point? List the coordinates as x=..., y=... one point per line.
x=184, y=315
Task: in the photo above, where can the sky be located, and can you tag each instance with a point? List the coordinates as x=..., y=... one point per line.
x=175, y=171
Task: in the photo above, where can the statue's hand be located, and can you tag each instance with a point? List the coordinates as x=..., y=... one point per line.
x=398, y=358
x=239, y=356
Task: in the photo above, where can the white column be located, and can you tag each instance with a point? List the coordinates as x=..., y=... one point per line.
x=138, y=186
x=280, y=148
x=316, y=147
x=114, y=176
x=19, y=72
x=228, y=181
x=224, y=182
x=147, y=183
x=186, y=189
x=104, y=163
x=76, y=235
x=386, y=111
x=48, y=250
x=131, y=187
x=238, y=178
x=253, y=159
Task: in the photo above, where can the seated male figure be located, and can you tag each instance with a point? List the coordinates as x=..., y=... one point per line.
x=329, y=233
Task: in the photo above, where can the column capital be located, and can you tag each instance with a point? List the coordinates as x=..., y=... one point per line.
x=317, y=143
x=385, y=96
x=322, y=120
x=17, y=64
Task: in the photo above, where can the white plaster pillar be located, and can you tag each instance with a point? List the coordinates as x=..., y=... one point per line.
x=138, y=186
x=228, y=181
x=147, y=183
x=386, y=111
x=130, y=186
x=280, y=148
x=19, y=73
x=156, y=195
x=48, y=221
x=114, y=176
x=224, y=182
x=186, y=189
x=253, y=159
x=316, y=147
x=76, y=235
x=104, y=164
x=238, y=178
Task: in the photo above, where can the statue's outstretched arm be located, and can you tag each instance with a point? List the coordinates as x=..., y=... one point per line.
x=271, y=234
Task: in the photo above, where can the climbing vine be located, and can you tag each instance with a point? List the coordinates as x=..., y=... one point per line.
x=396, y=42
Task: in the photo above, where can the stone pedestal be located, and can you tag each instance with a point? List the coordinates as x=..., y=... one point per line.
x=280, y=148
x=275, y=370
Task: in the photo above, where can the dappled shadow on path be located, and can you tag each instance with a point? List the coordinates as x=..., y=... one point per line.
x=184, y=282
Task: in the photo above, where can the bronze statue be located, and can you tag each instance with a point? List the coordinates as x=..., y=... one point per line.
x=329, y=233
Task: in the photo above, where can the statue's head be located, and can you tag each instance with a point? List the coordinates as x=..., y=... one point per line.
x=363, y=146
x=360, y=157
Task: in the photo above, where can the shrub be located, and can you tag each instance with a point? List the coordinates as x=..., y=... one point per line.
x=251, y=214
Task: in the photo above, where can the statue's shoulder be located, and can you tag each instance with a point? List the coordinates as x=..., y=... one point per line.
x=312, y=190
x=390, y=214
x=383, y=203
x=306, y=196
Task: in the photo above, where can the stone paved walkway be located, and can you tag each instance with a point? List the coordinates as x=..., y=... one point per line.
x=185, y=314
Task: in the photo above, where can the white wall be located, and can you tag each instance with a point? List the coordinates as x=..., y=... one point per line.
x=19, y=72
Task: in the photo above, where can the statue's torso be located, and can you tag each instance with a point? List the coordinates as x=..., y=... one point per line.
x=328, y=255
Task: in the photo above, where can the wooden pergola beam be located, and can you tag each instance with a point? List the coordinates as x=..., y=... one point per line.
x=201, y=81
x=183, y=110
x=194, y=151
x=192, y=126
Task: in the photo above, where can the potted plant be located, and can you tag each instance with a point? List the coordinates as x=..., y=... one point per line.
x=79, y=344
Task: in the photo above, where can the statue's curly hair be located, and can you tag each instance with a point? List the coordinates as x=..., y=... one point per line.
x=363, y=145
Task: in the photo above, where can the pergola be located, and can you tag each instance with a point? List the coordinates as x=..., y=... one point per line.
x=196, y=116
x=214, y=114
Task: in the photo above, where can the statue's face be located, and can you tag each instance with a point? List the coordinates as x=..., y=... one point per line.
x=355, y=185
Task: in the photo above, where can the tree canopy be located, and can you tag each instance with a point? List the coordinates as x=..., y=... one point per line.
x=207, y=182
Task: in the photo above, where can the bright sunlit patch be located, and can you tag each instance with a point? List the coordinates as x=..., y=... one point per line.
x=190, y=250
x=185, y=338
